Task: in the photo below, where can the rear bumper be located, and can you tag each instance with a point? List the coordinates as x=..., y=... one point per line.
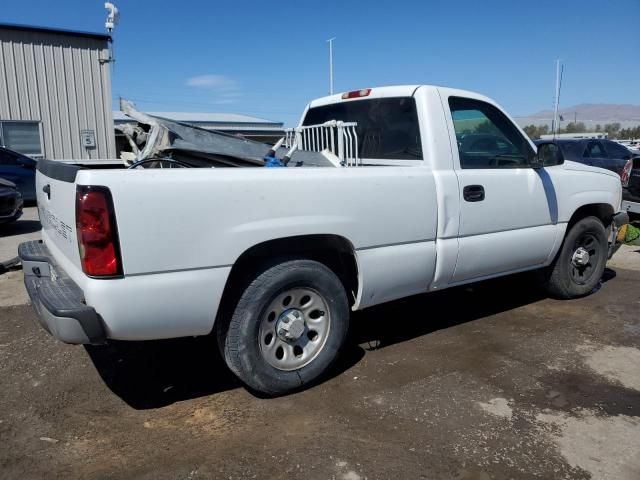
x=617, y=221
x=57, y=300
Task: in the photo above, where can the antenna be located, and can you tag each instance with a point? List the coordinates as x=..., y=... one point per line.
x=113, y=16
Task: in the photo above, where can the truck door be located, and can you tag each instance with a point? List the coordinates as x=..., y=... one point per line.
x=507, y=209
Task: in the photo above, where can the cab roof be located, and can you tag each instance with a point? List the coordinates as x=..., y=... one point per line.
x=391, y=91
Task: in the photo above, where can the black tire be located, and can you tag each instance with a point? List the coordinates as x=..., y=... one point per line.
x=564, y=278
x=240, y=338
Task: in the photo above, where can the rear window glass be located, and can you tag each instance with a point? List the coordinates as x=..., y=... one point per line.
x=615, y=150
x=387, y=127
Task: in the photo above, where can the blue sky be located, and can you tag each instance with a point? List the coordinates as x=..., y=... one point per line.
x=269, y=58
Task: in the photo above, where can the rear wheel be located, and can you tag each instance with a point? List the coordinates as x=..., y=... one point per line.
x=580, y=263
x=287, y=328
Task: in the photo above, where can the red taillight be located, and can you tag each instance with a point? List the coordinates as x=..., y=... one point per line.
x=626, y=173
x=97, y=232
x=356, y=93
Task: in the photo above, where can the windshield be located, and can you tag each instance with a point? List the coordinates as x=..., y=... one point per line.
x=387, y=127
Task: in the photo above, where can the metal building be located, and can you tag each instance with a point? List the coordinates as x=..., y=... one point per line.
x=55, y=93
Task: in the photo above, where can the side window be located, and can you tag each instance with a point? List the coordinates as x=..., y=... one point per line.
x=594, y=150
x=22, y=137
x=486, y=138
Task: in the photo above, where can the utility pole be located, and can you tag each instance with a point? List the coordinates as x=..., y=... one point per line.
x=331, y=64
x=558, y=87
x=555, y=109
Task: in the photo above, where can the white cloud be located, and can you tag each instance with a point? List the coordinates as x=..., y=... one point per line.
x=212, y=82
x=225, y=89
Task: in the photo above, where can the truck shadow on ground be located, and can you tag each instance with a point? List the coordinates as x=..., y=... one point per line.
x=158, y=373
x=155, y=374
x=411, y=317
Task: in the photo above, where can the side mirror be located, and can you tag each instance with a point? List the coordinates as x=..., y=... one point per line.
x=549, y=155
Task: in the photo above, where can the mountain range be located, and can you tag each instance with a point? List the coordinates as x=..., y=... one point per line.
x=589, y=113
x=602, y=112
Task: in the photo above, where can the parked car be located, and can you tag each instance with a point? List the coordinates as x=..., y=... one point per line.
x=271, y=261
x=20, y=170
x=10, y=202
x=610, y=155
x=632, y=145
x=631, y=201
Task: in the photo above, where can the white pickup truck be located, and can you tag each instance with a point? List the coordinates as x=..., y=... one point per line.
x=448, y=191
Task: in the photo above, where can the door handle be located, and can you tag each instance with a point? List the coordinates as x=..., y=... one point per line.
x=473, y=193
x=47, y=189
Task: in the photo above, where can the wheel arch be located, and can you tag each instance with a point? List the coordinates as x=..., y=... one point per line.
x=334, y=251
x=603, y=211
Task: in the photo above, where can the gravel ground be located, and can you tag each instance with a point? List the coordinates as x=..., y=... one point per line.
x=488, y=381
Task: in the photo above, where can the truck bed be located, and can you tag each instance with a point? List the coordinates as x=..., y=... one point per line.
x=181, y=230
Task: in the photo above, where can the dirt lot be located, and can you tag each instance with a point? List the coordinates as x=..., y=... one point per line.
x=490, y=381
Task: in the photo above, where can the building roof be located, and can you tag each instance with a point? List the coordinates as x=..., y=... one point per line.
x=200, y=117
x=61, y=31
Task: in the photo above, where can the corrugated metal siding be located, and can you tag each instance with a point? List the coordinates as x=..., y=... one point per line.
x=58, y=79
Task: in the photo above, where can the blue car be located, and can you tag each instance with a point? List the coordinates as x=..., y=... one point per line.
x=10, y=202
x=21, y=170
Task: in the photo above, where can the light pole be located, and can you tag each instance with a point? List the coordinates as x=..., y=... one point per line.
x=556, y=119
x=555, y=107
x=331, y=64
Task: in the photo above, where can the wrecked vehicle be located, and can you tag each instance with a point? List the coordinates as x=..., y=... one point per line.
x=272, y=260
x=161, y=142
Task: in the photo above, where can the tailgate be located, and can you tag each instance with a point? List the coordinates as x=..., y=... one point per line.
x=56, y=195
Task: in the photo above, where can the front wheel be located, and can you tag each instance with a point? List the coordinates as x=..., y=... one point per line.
x=287, y=328
x=580, y=263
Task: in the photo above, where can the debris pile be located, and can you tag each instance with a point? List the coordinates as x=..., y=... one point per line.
x=156, y=142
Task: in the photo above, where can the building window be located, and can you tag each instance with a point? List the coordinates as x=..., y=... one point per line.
x=22, y=137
